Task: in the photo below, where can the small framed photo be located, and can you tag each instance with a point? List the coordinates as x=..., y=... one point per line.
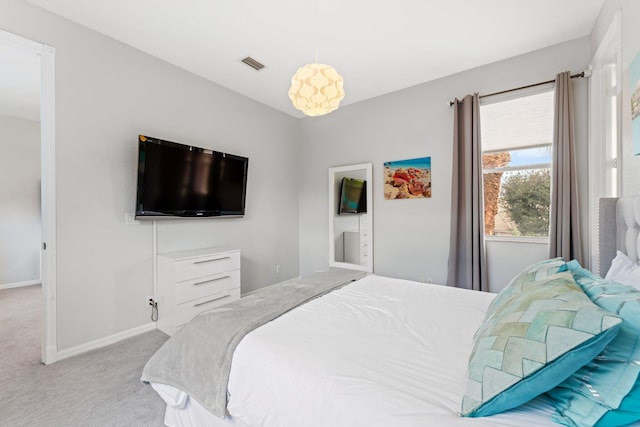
x=407, y=179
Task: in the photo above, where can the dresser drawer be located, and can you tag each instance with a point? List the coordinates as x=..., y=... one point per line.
x=207, y=265
x=201, y=287
x=187, y=311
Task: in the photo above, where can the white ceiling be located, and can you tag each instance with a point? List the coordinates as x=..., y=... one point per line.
x=379, y=46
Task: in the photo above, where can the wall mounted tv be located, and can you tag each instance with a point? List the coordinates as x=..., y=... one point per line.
x=185, y=181
x=353, y=196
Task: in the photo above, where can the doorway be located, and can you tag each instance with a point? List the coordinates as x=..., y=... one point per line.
x=44, y=58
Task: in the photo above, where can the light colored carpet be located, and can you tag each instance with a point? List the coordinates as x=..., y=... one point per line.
x=98, y=388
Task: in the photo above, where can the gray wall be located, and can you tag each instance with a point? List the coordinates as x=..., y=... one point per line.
x=630, y=12
x=411, y=237
x=106, y=94
x=19, y=200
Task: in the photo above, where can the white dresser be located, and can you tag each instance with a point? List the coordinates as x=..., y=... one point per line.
x=356, y=247
x=191, y=282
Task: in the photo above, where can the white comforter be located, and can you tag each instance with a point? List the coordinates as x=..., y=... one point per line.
x=379, y=352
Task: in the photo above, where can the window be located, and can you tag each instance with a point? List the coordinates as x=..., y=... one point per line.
x=605, y=107
x=516, y=157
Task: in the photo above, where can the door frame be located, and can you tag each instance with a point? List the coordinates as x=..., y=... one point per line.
x=49, y=348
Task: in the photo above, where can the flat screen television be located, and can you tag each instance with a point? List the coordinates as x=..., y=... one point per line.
x=186, y=181
x=353, y=196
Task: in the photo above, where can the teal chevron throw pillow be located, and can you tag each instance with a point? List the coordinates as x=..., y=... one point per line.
x=533, y=341
x=606, y=391
x=538, y=271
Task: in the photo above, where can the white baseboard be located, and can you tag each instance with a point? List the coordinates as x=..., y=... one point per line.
x=51, y=352
x=103, y=342
x=20, y=284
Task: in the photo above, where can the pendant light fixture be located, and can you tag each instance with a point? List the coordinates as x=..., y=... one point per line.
x=316, y=89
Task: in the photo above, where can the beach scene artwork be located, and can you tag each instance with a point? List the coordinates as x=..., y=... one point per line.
x=634, y=85
x=407, y=179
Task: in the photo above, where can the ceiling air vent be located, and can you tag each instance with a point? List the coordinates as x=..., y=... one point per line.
x=253, y=63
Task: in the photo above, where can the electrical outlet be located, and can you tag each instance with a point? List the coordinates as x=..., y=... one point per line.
x=277, y=268
x=150, y=302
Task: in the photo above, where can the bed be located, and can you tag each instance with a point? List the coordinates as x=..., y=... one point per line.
x=619, y=217
x=366, y=351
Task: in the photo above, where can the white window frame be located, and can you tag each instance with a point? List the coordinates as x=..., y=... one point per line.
x=549, y=87
x=605, y=124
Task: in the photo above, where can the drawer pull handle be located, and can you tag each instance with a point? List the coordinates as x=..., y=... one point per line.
x=211, y=280
x=211, y=260
x=211, y=300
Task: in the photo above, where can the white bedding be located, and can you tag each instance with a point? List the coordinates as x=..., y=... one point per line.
x=378, y=352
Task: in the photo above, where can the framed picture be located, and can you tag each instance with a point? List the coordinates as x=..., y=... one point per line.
x=407, y=179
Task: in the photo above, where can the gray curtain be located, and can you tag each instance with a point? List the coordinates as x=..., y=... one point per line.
x=467, y=265
x=564, y=227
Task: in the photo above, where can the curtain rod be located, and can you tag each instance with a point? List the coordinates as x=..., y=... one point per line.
x=524, y=87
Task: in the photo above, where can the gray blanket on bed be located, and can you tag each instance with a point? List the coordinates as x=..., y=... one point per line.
x=197, y=359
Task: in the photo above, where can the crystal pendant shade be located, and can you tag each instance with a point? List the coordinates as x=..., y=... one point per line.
x=316, y=89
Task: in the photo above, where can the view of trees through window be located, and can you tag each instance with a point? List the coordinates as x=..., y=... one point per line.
x=525, y=197
x=516, y=162
x=516, y=202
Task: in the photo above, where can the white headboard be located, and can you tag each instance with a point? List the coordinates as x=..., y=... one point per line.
x=618, y=229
